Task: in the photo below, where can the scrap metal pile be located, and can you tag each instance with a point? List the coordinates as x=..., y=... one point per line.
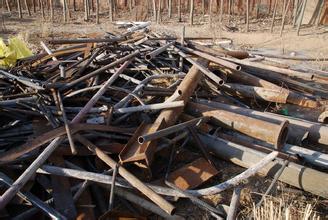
x=124, y=125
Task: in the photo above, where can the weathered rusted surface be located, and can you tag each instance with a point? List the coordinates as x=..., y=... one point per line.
x=193, y=174
x=134, y=151
x=276, y=134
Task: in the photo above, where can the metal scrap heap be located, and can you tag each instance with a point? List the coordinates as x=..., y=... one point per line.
x=95, y=127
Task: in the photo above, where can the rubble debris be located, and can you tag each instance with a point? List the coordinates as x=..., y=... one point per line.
x=95, y=117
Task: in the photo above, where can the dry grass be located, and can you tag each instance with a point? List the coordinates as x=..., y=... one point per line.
x=274, y=208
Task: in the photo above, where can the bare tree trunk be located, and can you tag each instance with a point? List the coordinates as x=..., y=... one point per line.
x=179, y=11
x=221, y=13
x=203, y=8
x=322, y=3
x=8, y=6
x=274, y=15
x=92, y=6
x=296, y=3
x=27, y=8
x=154, y=10
x=110, y=5
x=74, y=5
x=211, y=13
x=247, y=15
x=66, y=3
x=97, y=11
x=170, y=9
x=283, y=17
x=130, y=5
x=64, y=11
x=52, y=10
x=191, y=18
x=114, y=7
x=159, y=14
x=42, y=9
x=19, y=9
x=34, y=6
x=301, y=18
x=86, y=14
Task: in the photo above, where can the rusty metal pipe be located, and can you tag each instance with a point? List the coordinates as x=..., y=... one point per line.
x=265, y=94
x=212, y=58
x=169, y=130
x=133, y=151
x=100, y=70
x=295, y=175
x=203, y=69
x=100, y=92
x=153, y=54
x=166, y=105
x=135, y=182
x=314, y=132
x=276, y=134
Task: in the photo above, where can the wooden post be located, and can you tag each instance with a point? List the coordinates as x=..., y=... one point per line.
x=27, y=8
x=19, y=9
x=170, y=9
x=301, y=18
x=179, y=11
x=211, y=14
x=274, y=15
x=52, y=10
x=191, y=16
x=283, y=18
x=247, y=15
x=110, y=5
x=8, y=6
x=97, y=11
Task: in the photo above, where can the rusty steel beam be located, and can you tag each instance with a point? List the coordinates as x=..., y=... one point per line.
x=273, y=133
x=143, y=153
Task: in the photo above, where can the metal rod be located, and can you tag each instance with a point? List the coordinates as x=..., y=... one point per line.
x=66, y=124
x=169, y=130
x=158, y=106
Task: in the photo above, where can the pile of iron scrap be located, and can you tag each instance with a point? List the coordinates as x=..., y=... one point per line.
x=94, y=126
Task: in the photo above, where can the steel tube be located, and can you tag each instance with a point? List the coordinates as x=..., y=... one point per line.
x=166, y=105
x=276, y=134
x=295, y=175
x=315, y=132
x=203, y=69
x=212, y=58
x=98, y=71
x=153, y=54
x=27, y=196
x=169, y=130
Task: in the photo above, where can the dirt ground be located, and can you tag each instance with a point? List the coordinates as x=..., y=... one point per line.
x=312, y=42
